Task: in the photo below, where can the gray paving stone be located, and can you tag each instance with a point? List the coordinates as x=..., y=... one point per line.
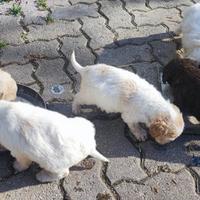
x=164, y=51
x=194, y=150
x=23, y=53
x=118, y=17
x=169, y=3
x=135, y=5
x=21, y=73
x=84, y=181
x=124, y=157
x=49, y=73
x=32, y=15
x=4, y=7
x=141, y=35
x=66, y=96
x=79, y=44
x=53, y=30
x=163, y=186
x=10, y=30
x=83, y=55
x=197, y=170
x=169, y=17
x=6, y=163
x=150, y=72
x=171, y=157
x=183, y=9
x=61, y=3
x=24, y=186
x=35, y=87
x=125, y=55
x=83, y=1
x=98, y=32
x=75, y=11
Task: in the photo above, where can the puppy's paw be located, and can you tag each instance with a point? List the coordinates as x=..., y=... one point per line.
x=138, y=132
x=18, y=167
x=141, y=136
x=45, y=176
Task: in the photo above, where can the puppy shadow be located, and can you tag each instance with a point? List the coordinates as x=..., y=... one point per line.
x=114, y=140
x=10, y=180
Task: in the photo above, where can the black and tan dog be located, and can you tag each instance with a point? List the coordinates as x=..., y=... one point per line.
x=183, y=76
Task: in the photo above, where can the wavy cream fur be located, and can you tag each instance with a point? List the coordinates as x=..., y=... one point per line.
x=190, y=28
x=117, y=90
x=48, y=138
x=8, y=86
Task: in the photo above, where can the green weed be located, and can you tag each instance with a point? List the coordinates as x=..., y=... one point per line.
x=3, y=44
x=42, y=4
x=16, y=9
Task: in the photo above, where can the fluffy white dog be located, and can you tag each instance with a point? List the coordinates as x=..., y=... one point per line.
x=48, y=138
x=117, y=90
x=8, y=86
x=190, y=28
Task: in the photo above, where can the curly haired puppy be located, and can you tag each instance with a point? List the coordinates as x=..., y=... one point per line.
x=190, y=28
x=8, y=86
x=183, y=76
x=48, y=138
x=118, y=90
x=8, y=90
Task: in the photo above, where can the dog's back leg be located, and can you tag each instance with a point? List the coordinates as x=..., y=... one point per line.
x=46, y=176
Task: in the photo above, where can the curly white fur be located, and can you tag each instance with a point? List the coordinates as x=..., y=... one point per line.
x=117, y=90
x=48, y=138
x=8, y=86
x=190, y=28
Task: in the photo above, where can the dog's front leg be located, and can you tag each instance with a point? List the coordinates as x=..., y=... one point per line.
x=138, y=132
x=21, y=163
x=76, y=105
x=135, y=128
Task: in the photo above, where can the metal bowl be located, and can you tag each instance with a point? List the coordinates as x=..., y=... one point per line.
x=30, y=95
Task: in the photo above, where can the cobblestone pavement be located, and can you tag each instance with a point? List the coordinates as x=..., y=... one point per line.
x=136, y=35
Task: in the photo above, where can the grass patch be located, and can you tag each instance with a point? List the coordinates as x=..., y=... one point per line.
x=49, y=19
x=3, y=44
x=16, y=9
x=42, y=4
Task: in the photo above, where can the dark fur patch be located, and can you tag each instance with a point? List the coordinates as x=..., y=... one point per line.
x=183, y=75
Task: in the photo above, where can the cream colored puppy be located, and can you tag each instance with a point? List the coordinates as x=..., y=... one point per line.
x=190, y=28
x=8, y=86
x=48, y=138
x=117, y=90
x=8, y=90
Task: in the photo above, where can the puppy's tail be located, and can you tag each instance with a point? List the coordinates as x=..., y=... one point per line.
x=99, y=156
x=75, y=64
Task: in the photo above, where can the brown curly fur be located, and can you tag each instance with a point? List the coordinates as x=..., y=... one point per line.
x=163, y=130
x=183, y=76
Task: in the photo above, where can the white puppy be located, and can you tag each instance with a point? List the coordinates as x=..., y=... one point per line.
x=190, y=28
x=48, y=138
x=8, y=86
x=117, y=90
x=8, y=90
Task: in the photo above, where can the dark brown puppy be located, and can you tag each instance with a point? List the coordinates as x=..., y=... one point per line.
x=183, y=76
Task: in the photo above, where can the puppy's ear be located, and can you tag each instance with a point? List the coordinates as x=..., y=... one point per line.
x=158, y=128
